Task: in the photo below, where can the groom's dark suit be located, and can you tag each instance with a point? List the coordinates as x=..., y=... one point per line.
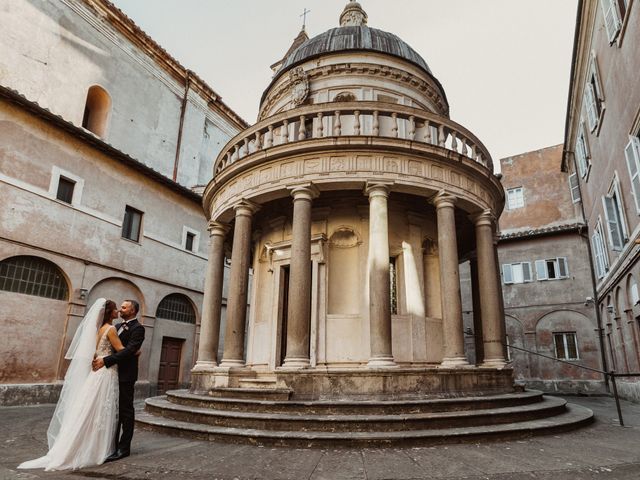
x=131, y=335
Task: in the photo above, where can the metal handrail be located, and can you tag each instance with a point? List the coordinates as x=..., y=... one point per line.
x=612, y=374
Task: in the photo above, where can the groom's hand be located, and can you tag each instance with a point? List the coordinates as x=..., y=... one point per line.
x=97, y=364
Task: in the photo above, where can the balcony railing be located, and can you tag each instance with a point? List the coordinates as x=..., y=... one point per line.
x=370, y=119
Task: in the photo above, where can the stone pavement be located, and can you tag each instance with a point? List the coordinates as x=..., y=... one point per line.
x=601, y=451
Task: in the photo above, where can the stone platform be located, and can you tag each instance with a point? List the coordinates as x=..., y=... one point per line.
x=361, y=408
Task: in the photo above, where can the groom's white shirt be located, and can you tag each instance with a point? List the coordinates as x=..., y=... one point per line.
x=125, y=323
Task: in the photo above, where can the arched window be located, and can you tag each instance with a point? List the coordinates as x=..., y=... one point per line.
x=176, y=307
x=96, y=110
x=33, y=276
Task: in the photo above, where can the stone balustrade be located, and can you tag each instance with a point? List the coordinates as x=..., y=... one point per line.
x=371, y=119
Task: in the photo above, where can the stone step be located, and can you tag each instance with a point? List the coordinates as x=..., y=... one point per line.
x=549, y=407
x=251, y=393
x=329, y=407
x=573, y=417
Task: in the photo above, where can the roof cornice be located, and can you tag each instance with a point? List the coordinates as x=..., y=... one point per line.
x=127, y=27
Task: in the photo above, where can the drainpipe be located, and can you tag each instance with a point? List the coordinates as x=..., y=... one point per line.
x=183, y=110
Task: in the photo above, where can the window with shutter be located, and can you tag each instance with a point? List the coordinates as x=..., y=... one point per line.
x=622, y=218
x=600, y=254
x=613, y=222
x=526, y=272
x=612, y=18
x=563, y=267
x=574, y=186
x=632, y=155
x=515, y=198
x=591, y=106
x=507, y=274
x=541, y=270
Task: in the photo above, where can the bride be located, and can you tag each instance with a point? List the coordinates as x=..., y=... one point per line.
x=83, y=428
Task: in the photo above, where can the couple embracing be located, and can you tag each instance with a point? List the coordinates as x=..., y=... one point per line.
x=93, y=420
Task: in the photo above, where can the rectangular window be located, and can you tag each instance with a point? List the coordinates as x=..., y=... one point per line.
x=574, y=186
x=516, y=272
x=612, y=17
x=583, y=158
x=188, y=243
x=600, y=254
x=566, y=345
x=515, y=198
x=552, y=269
x=131, y=224
x=593, y=95
x=393, y=281
x=65, y=190
x=632, y=154
x=615, y=217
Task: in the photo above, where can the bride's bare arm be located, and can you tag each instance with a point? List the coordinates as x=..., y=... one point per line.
x=115, y=340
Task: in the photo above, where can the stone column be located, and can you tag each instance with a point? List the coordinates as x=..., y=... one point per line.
x=233, y=355
x=379, y=281
x=452, y=327
x=299, y=310
x=492, y=315
x=478, y=341
x=212, y=301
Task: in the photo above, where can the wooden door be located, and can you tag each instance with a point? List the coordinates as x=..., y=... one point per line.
x=169, y=372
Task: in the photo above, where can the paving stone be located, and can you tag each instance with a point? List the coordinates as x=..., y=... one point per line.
x=340, y=465
x=603, y=451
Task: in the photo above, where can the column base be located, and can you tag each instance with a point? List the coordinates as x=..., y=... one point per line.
x=493, y=363
x=231, y=363
x=204, y=366
x=295, y=363
x=382, y=361
x=454, y=362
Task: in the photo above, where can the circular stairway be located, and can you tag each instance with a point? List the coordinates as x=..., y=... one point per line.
x=269, y=417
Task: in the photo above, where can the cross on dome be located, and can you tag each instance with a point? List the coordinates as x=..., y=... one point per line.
x=353, y=15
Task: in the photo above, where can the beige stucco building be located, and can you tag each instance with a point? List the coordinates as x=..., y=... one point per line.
x=106, y=143
x=602, y=151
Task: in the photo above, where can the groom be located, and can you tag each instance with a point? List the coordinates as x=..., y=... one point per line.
x=131, y=334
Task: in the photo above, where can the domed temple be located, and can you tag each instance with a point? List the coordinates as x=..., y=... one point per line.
x=353, y=201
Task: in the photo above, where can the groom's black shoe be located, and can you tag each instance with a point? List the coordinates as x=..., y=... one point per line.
x=117, y=455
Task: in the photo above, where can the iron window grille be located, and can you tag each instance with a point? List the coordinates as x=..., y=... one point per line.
x=33, y=276
x=176, y=307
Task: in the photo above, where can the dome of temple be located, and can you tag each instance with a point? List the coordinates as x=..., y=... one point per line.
x=353, y=37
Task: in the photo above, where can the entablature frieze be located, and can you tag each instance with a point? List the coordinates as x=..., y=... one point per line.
x=419, y=175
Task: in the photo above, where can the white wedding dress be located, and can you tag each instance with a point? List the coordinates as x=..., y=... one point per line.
x=83, y=428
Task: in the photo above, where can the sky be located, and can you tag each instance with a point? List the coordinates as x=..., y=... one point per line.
x=504, y=64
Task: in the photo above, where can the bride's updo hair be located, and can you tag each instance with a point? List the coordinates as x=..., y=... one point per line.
x=109, y=307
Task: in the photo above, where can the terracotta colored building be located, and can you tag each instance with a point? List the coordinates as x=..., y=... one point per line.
x=546, y=275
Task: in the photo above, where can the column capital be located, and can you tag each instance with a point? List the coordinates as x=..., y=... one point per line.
x=246, y=208
x=444, y=200
x=377, y=188
x=304, y=191
x=217, y=228
x=484, y=218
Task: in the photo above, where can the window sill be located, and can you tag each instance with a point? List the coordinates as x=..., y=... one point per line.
x=131, y=241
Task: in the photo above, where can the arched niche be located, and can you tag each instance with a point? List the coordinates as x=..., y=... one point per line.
x=344, y=272
x=97, y=110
